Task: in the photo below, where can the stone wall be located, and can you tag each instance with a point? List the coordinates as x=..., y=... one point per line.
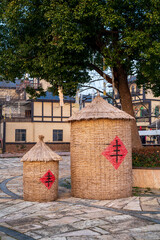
x=23, y=147
x=146, y=178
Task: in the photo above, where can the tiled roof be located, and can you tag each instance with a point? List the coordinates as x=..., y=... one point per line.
x=4, y=84
x=49, y=96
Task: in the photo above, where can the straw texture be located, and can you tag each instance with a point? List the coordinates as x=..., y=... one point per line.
x=92, y=175
x=33, y=188
x=100, y=109
x=93, y=129
x=41, y=153
x=36, y=163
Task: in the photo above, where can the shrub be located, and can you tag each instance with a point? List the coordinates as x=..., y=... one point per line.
x=146, y=157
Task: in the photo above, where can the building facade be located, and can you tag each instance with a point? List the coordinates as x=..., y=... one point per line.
x=146, y=106
x=22, y=120
x=19, y=131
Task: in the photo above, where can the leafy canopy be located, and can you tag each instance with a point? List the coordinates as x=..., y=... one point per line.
x=62, y=40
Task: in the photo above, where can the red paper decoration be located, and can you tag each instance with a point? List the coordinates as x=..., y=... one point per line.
x=115, y=152
x=48, y=179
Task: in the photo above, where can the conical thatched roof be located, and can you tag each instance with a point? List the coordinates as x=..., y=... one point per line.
x=40, y=153
x=99, y=108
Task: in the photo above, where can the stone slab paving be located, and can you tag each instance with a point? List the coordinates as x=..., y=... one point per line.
x=68, y=218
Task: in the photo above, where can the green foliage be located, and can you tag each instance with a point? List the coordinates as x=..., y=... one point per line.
x=61, y=40
x=35, y=93
x=146, y=157
x=136, y=191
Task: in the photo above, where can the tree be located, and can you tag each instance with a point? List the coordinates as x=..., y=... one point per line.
x=62, y=40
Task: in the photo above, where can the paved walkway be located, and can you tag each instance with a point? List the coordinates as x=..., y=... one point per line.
x=135, y=218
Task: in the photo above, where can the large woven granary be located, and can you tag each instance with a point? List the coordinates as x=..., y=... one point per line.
x=40, y=173
x=101, y=161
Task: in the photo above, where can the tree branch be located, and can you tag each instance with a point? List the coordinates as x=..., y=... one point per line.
x=104, y=75
x=88, y=87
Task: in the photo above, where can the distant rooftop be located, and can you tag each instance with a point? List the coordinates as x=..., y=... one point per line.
x=4, y=84
x=49, y=96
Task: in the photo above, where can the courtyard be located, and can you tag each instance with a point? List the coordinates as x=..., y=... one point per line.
x=68, y=218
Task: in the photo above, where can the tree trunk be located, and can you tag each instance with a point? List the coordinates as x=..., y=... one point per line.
x=121, y=83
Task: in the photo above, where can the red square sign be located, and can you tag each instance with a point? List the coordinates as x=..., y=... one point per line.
x=115, y=152
x=48, y=179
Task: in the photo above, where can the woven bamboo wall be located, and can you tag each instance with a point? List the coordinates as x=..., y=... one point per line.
x=92, y=175
x=33, y=188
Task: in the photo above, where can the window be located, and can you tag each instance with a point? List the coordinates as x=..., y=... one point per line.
x=143, y=112
x=57, y=135
x=27, y=113
x=138, y=91
x=20, y=135
x=133, y=89
x=156, y=111
x=135, y=111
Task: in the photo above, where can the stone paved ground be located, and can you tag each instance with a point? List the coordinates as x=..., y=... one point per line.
x=135, y=218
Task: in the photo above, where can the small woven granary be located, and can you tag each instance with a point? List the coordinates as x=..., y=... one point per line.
x=40, y=173
x=101, y=161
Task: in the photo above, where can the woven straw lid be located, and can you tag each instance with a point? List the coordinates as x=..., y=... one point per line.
x=40, y=153
x=99, y=108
